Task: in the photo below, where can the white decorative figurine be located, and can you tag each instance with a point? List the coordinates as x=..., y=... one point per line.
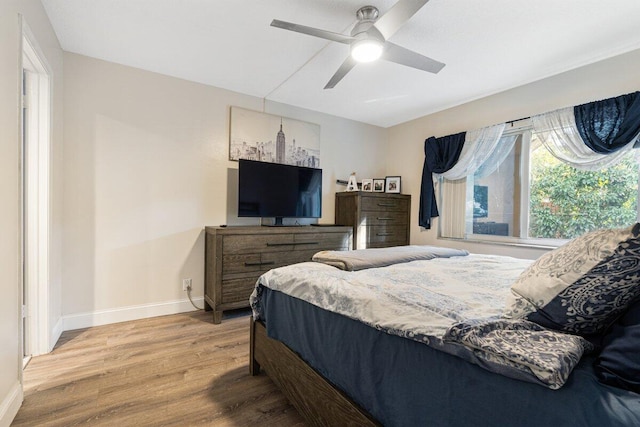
x=352, y=185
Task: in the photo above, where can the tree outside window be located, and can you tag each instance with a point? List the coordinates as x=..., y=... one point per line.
x=566, y=202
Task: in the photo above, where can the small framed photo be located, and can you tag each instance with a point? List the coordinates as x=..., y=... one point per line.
x=378, y=185
x=367, y=184
x=392, y=184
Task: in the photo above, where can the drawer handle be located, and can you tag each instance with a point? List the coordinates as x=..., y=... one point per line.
x=384, y=234
x=387, y=204
x=382, y=218
x=251, y=264
x=293, y=243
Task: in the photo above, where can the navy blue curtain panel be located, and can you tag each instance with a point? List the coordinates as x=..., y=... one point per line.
x=440, y=155
x=608, y=125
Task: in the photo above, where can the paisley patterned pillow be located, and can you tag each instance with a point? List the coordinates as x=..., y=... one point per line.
x=582, y=286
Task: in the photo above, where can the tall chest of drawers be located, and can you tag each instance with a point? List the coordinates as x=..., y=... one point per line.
x=378, y=219
x=236, y=256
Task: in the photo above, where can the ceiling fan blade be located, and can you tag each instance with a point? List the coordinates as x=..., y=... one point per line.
x=400, y=55
x=346, y=66
x=395, y=17
x=328, y=35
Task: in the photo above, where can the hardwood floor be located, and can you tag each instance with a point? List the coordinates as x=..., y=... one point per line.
x=178, y=370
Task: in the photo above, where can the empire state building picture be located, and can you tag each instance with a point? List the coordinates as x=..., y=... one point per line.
x=280, y=146
x=270, y=138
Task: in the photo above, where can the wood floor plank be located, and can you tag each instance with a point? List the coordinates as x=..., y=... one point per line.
x=178, y=370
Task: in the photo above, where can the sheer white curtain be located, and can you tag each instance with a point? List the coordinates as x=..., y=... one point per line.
x=479, y=145
x=484, y=149
x=493, y=162
x=558, y=133
x=453, y=199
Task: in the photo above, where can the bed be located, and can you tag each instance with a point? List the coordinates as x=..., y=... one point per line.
x=429, y=336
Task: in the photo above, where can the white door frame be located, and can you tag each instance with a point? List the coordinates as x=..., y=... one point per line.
x=37, y=182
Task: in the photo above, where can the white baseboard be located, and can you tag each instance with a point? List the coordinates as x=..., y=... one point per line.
x=123, y=314
x=10, y=405
x=55, y=334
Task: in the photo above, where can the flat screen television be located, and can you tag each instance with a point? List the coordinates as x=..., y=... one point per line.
x=273, y=190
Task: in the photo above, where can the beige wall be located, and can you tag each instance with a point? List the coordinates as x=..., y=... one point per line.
x=10, y=71
x=405, y=152
x=146, y=168
x=9, y=225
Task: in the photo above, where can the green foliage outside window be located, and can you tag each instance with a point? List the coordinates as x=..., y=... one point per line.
x=566, y=202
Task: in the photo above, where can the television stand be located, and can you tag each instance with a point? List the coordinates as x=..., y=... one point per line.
x=236, y=256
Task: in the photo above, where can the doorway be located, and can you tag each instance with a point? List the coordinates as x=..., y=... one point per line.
x=35, y=167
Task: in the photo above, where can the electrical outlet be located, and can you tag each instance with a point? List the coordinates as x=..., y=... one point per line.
x=186, y=284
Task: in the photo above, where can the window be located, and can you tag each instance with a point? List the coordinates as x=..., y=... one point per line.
x=529, y=196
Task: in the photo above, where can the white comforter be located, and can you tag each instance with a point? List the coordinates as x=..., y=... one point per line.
x=403, y=297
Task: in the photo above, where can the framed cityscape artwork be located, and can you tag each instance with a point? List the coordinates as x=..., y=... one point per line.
x=270, y=138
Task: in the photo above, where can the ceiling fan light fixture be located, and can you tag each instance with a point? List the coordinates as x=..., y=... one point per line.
x=368, y=39
x=367, y=50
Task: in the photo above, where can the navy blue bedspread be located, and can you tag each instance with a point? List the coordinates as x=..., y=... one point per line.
x=402, y=382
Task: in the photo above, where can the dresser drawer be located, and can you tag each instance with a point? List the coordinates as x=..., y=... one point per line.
x=279, y=259
x=304, y=255
x=257, y=243
x=249, y=265
x=244, y=263
x=383, y=218
x=238, y=290
x=284, y=242
x=389, y=204
x=322, y=241
x=387, y=234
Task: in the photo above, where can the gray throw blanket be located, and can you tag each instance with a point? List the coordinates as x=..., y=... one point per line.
x=361, y=259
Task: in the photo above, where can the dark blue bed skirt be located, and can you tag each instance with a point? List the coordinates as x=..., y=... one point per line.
x=401, y=382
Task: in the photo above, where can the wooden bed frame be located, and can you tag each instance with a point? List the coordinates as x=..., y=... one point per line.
x=315, y=398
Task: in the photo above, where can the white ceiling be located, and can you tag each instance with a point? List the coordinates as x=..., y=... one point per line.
x=488, y=46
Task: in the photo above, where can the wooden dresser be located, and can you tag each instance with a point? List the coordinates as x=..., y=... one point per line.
x=378, y=219
x=236, y=256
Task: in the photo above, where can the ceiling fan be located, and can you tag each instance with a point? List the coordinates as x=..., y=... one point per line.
x=369, y=39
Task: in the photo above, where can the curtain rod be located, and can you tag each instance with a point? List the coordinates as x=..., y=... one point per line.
x=517, y=120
